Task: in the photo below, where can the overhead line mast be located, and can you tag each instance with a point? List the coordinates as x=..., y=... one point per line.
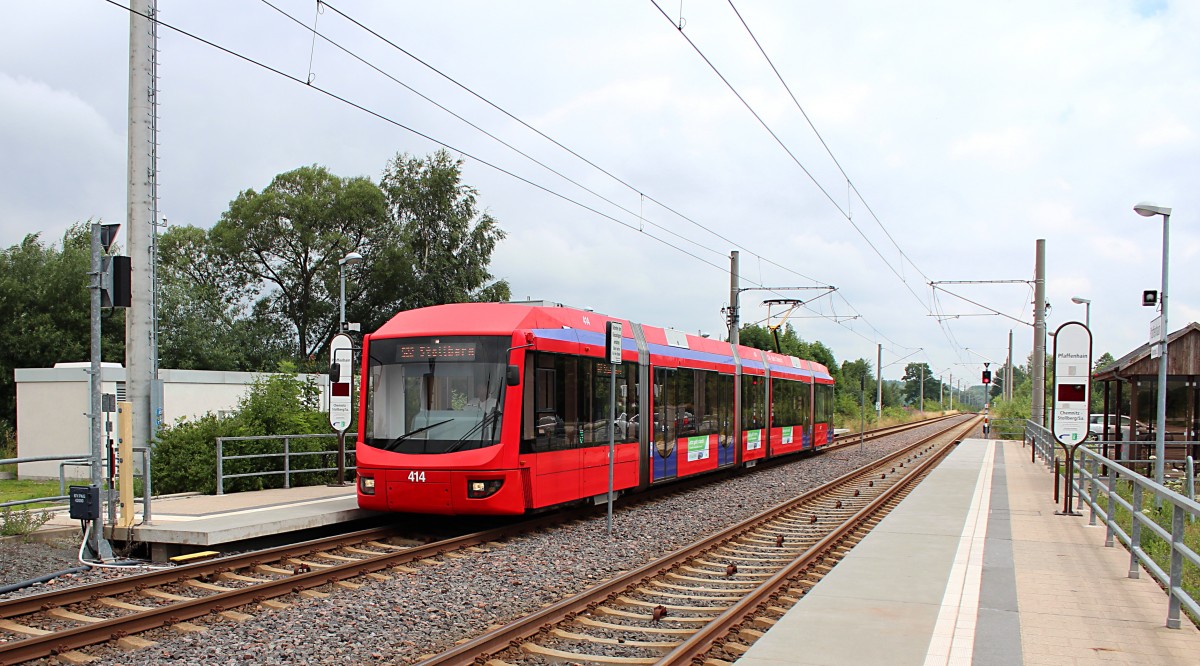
x=142, y=211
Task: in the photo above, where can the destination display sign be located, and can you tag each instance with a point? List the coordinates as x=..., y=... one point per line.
x=1072, y=382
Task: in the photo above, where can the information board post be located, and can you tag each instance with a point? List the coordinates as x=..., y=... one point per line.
x=1072, y=394
x=341, y=381
x=614, y=333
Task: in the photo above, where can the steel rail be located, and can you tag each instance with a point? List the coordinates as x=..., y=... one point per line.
x=33, y=647
x=692, y=649
x=479, y=649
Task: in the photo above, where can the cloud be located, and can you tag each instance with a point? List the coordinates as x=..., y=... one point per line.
x=65, y=163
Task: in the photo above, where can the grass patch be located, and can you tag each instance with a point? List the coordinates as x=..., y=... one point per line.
x=20, y=489
x=1154, y=546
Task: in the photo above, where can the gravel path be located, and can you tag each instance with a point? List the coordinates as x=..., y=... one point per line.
x=399, y=620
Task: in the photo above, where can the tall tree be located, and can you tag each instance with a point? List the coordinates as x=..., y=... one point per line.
x=443, y=241
x=206, y=319
x=44, y=293
x=285, y=243
x=912, y=383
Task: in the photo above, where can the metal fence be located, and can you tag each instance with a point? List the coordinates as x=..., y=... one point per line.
x=142, y=471
x=1119, y=496
x=286, y=454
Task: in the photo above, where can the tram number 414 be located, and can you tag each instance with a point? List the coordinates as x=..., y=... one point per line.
x=416, y=477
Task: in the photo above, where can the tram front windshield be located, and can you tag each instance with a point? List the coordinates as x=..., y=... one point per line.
x=435, y=394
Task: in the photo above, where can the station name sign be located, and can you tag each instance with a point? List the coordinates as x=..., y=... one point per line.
x=1072, y=382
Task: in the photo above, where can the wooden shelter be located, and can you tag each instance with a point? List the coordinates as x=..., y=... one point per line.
x=1131, y=388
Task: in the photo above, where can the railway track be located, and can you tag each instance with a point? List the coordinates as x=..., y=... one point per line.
x=61, y=622
x=706, y=601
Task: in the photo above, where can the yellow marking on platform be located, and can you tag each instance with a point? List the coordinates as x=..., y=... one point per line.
x=194, y=557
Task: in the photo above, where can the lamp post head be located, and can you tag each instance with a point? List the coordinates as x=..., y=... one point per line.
x=1079, y=301
x=351, y=258
x=1148, y=209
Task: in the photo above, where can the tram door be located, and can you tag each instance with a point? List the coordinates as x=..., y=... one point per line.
x=663, y=463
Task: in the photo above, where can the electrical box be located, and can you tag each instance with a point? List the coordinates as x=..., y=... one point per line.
x=85, y=502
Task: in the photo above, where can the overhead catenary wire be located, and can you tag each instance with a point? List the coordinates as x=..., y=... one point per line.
x=476, y=127
x=849, y=182
x=614, y=177
x=844, y=212
x=389, y=120
x=402, y=126
x=584, y=159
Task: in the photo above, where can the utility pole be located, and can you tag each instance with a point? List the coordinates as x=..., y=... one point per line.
x=878, y=382
x=734, y=291
x=1037, y=408
x=922, y=390
x=952, y=391
x=1008, y=371
x=141, y=215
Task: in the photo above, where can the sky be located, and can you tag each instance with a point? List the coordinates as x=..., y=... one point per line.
x=926, y=142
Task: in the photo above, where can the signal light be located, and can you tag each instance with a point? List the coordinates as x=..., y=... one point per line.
x=987, y=376
x=1150, y=297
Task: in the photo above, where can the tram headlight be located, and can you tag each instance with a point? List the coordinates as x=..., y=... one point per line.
x=479, y=489
x=366, y=485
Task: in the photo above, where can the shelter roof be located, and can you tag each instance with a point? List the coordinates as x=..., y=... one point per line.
x=1183, y=357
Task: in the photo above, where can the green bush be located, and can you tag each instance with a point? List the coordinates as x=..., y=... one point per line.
x=22, y=523
x=185, y=458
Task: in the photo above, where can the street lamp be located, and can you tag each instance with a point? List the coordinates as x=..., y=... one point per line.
x=350, y=259
x=1087, y=317
x=1147, y=209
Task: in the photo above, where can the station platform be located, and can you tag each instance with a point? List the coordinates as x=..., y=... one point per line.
x=974, y=567
x=190, y=523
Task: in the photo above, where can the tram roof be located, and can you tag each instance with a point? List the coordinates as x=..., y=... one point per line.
x=505, y=318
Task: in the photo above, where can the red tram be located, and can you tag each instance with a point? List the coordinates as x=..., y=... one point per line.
x=503, y=408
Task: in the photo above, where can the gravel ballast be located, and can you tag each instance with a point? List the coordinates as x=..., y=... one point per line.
x=411, y=615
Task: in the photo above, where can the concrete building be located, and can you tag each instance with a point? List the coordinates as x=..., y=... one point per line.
x=52, y=406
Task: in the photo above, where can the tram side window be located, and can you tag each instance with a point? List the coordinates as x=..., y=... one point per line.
x=783, y=403
x=753, y=402
x=714, y=399
x=804, y=402
x=724, y=390
x=626, y=403
x=824, y=410
x=570, y=403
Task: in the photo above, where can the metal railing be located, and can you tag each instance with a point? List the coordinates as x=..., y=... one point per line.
x=287, y=454
x=78, y=461
x=1109, y=488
